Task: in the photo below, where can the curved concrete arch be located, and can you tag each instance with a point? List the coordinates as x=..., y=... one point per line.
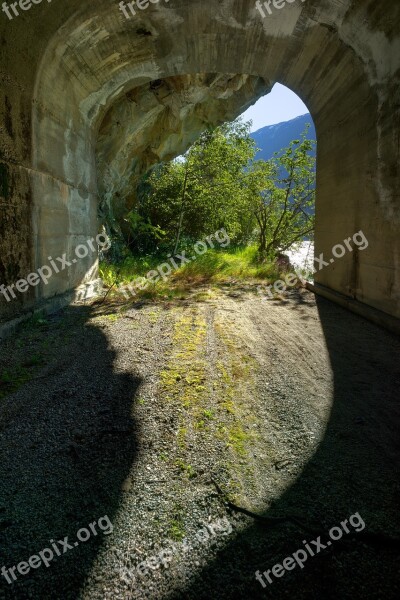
x=342, y=59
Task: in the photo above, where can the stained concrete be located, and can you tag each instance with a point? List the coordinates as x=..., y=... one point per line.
x=66, y=66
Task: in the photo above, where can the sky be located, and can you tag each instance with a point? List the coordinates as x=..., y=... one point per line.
x=281, y=104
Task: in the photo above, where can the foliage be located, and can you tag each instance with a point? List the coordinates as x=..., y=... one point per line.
x=282, y=196
x=219, y=183
x=215, y=267
x=189, y=198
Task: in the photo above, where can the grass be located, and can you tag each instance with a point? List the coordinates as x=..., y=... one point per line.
x=177, y=523
x=214, y=267
x=11, y=381
x=185, y=468
x=132, y=267
x=177, y=530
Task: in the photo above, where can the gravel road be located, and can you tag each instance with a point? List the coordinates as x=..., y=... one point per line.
x=134, y=412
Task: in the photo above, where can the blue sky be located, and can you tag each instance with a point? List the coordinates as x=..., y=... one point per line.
x=281, y=104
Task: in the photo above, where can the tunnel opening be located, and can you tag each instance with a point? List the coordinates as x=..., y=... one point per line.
x=157, y=122
x=154, y=143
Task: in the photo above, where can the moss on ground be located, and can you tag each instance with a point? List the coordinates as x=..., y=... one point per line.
x=211, y=394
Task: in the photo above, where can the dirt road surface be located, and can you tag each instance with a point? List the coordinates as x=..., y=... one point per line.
x=135, y=412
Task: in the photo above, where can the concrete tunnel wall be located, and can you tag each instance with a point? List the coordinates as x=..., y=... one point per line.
x=64, y=65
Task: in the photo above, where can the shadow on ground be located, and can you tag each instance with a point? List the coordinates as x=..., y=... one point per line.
x=67, y=442
x=67, y=447
x=355, y=469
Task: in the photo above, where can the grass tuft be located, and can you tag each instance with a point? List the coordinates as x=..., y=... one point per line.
x=213, y=268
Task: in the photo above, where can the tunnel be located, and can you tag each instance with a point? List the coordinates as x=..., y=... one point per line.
x=91, y=98
x=93, y=94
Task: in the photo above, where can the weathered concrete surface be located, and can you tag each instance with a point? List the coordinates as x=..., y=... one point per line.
x=64, y=66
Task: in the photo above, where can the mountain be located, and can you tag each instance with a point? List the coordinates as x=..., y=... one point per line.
x=273, y=138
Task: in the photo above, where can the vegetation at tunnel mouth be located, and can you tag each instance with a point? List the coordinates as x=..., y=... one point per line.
x=265, y=207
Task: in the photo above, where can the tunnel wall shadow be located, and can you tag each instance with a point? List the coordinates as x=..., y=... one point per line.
x=355, y=469
x=67, y=443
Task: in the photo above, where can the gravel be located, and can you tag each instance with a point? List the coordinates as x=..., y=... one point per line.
x=132, y=411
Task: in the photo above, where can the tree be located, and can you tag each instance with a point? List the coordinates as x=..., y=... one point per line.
x=205, y=190
x=219, y=183
x=282, y=196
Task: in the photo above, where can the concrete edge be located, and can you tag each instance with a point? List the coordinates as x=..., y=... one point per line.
x=50, y=306
x=374, y=315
